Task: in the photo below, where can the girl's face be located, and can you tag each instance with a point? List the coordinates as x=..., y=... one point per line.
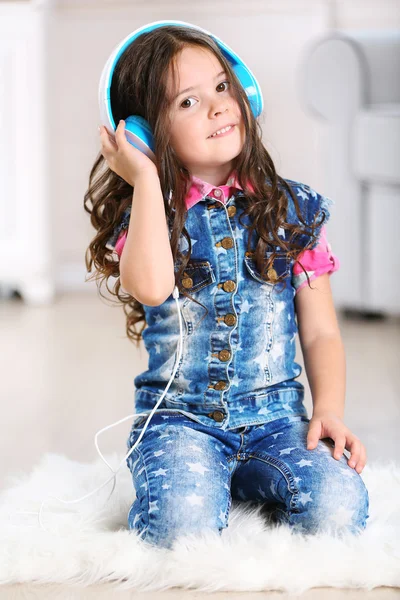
x=199, y=112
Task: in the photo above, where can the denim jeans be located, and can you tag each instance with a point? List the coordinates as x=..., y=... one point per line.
x=186, y=475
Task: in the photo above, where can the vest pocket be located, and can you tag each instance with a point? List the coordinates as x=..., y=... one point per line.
x=279, y=269
x=197, y=275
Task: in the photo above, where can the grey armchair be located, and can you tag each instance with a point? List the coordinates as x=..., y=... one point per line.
x=351, y=81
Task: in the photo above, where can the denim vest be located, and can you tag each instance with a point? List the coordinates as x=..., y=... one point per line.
x=238, y=364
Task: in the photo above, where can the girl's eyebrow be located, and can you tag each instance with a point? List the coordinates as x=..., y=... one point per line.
x=194, y=87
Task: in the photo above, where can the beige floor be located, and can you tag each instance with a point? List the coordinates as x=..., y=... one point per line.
x=106, y=591
x=68, y=371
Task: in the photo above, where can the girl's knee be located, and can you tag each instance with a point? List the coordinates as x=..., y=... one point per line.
x=339, y=506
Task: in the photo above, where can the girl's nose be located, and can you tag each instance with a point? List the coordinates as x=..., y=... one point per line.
x=219, y=109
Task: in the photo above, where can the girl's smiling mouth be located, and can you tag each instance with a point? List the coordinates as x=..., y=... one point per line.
x=222, y=132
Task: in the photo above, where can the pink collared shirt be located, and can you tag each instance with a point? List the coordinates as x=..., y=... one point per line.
x=317, y=261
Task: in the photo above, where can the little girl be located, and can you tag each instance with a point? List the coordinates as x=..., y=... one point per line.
x=211, y=216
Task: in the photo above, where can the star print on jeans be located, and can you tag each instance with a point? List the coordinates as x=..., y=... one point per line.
x=197, y=468
x=195, y=500
x=160, y=472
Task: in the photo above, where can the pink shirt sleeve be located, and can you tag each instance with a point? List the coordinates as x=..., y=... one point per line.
x=120, y=242
x=317, y=261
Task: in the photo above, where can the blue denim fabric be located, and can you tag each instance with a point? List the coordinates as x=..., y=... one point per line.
x=238, y=357
x=186, y=475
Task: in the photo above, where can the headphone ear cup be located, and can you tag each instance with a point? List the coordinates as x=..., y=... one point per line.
x=250, y=88
x=138, y=133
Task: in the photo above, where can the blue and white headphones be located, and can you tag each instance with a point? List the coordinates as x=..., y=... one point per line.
x=138, y=131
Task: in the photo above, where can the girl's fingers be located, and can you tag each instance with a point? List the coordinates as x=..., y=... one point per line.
x=111, y=138
x=340, y=442
x=120, y=132
x=355, y=450
x=108, y=144
x=363, y=460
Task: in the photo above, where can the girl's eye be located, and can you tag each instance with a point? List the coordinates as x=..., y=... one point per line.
x=190, y=98
x=222, y=83
x=186, y=100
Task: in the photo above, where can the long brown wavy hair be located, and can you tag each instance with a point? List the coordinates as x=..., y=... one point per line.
x=139, y=87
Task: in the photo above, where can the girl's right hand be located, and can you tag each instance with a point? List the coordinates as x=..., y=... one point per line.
x=124, y=159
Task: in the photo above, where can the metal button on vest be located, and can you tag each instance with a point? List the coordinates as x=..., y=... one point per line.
x=217, y=415
x=272, y=274
x=229, y=286
x=220, y=385
x=187, y=282
x=224, y=355
x=231, y=211
x=230, y=319
x=227, y=242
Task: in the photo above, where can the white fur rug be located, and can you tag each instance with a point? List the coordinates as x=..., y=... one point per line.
x=251, y=555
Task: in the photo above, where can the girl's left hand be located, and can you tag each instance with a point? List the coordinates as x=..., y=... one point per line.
x=327, y=424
